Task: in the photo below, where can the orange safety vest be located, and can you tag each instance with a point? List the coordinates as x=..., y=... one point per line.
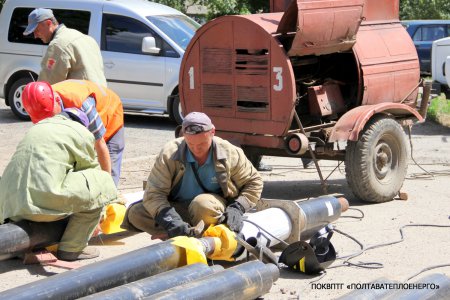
x=74, y=92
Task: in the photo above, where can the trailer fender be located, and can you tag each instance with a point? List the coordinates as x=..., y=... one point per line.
x=352, y=122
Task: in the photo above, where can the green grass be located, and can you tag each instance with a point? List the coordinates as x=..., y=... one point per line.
x=439, y=109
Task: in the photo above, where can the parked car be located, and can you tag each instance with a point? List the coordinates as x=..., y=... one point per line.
x=423, y=33
x=142, y=44
x=440, y=63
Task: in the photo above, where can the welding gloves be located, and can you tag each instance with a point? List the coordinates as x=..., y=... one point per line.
x=233, y=216
x=172, y=222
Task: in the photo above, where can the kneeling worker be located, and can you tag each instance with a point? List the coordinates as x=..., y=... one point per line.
x=54, y=174
x=101, y=105
x=196, y=177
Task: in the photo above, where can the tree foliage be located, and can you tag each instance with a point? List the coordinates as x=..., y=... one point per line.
x=409, y=9
x=217, y=8
x=424, y=9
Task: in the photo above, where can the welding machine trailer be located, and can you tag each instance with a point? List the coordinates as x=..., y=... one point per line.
x=328, y=80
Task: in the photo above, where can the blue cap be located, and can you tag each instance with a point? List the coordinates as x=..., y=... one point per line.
x=36, y=16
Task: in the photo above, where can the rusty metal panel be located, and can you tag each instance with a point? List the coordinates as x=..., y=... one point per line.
x=262, y=141
x=217, y=95
x=380, y=10
x=351, y=123
x=325, y=100
x=323, y=27
x=216, y=60
x=245, y=82
x=389, y=63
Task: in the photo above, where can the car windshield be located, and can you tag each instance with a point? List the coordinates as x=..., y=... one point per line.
x=179, y=28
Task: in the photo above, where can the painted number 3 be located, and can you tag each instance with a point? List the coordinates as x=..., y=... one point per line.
x=278, y=76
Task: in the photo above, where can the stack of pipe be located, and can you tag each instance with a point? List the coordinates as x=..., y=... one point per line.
x=246, y=281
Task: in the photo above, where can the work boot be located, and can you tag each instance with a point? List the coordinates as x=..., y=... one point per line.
x=86, y=253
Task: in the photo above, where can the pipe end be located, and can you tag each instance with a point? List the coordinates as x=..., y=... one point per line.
x=344, y=204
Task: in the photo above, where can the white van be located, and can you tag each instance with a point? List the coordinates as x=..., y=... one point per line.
x=142, y=44
x=440, y=62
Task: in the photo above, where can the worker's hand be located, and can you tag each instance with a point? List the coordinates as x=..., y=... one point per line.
x=233, y=216
x=171, y=221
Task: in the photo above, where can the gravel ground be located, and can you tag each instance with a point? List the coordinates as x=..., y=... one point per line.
x=422, y=247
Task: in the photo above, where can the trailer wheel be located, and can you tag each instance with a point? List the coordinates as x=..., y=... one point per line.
x=15, y=98
x=375, y=165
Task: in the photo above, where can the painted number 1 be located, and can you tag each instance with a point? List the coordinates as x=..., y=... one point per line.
x=191, y=78
x=278, y=71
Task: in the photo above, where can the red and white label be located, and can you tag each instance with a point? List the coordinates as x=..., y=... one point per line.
x=50, y=63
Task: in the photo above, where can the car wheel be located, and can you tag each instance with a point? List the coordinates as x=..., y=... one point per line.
x=375, y=165
x=15, y=98
x=175, y=112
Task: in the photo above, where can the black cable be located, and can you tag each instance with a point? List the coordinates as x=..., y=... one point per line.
x=427, y=269
x=363, y=249
x=428, y=174
x=355, y=217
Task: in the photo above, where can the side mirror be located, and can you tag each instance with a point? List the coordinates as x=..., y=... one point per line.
x=149, y=45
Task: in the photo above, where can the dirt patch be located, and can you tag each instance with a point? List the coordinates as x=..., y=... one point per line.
x=428, y=203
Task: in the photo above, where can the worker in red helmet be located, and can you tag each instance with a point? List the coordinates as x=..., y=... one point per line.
x=101, y=105
x=53, y=175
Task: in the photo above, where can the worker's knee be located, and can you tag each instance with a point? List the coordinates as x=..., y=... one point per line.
x=138, y=219
x=206, y=207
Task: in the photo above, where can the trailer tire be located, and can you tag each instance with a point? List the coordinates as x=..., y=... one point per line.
x=376, y=164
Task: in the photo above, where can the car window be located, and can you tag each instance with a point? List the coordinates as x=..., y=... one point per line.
x=177, y=27
x=124, y=34
x=430, y=33
x=75, y=19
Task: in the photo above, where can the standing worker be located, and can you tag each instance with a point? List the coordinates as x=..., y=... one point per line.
x=54, y=174
x=101, y=105
x=196, y=177
x=70, y=53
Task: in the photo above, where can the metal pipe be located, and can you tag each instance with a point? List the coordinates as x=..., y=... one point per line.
x=319, y=212
x=425, y=97
x=274, y=220
x=102, y=275
x=20, y=237
x=156, y=283
x=246, y=281
x=313, y=156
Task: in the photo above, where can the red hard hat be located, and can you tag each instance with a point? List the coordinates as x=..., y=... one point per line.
x=38, y=100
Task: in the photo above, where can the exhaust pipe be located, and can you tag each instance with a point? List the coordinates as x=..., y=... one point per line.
x=425, y=98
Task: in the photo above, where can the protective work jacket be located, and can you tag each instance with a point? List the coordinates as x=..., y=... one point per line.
x=72, y=55
x=235, y=174
x=108, y=104
x=54, y=173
